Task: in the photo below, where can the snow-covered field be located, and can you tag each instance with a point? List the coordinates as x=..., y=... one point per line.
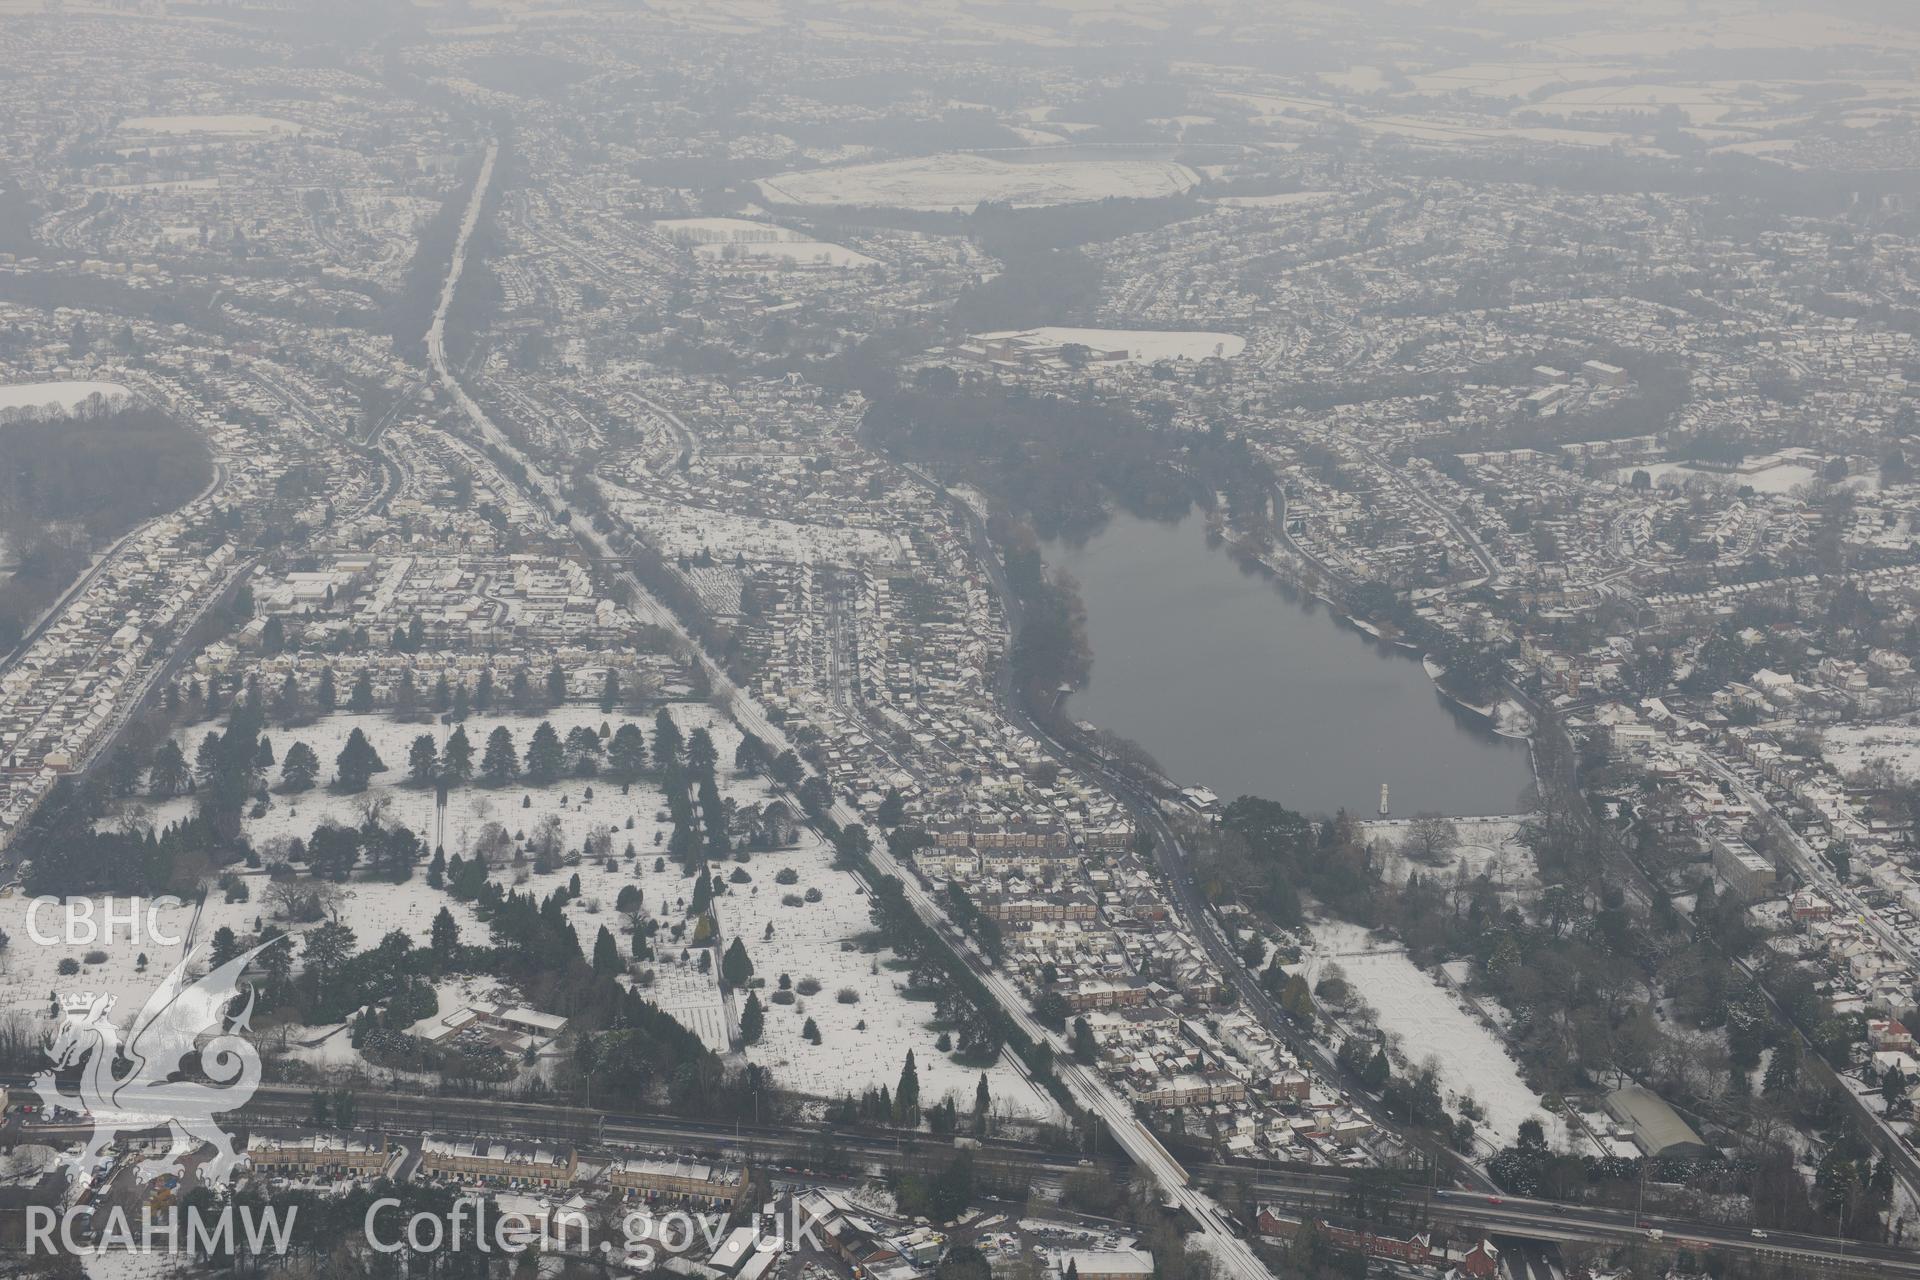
x=1514, y=79
x=1488, y=846
x=518, y=807
x=1780, y=472
x=373, y=908
x=1357, y=79
x=1290, y=113
x=29, y=969
x=961, y=180
x=813, y=939
x=1278, y=201
x=1798, y=28
x=1448, y=133
x=1701, y=104
x=1852, y=748
x=719, y=238
x=1143, y=346
x=30, y=980
x=134, y=1264
x=236, y=124
x=59, y=397
x=1780, y=479
x=1429, y=1023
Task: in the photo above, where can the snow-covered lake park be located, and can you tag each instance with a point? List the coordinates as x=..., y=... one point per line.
x=1429, y=1023
x=1487, y=847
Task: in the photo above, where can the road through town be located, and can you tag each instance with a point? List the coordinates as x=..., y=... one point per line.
x=1093, y=1091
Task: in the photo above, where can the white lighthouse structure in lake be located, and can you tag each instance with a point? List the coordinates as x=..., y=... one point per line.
x=1383, y=800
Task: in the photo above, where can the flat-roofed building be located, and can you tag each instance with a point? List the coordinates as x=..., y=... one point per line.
x=519, y=1018
x=1106, y=1264
x=1750, y=875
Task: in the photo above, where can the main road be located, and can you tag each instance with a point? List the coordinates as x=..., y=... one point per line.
x=1815, y=870
x=1171, y=855
x=1093, y=1091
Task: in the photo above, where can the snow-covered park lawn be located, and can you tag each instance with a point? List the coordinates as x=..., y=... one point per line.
x=374, y=908
x=30, y=977
x=1487, y=846
x=1143, y=346
x=30, y=970
x=134, y=1264
x=961, y=180
x=60, y=397
x=519, y=806
x=1428, y=1023
x=817, y=940
x=813, y=940
x=720, y=238
x=227, y=124
x=1853, y=748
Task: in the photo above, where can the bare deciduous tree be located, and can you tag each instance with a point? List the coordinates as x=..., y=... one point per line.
x=1429, y=839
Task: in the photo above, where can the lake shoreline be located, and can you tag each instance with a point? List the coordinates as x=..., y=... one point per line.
x=1255, y=562
x=1436, y=673
x=1209, y=677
